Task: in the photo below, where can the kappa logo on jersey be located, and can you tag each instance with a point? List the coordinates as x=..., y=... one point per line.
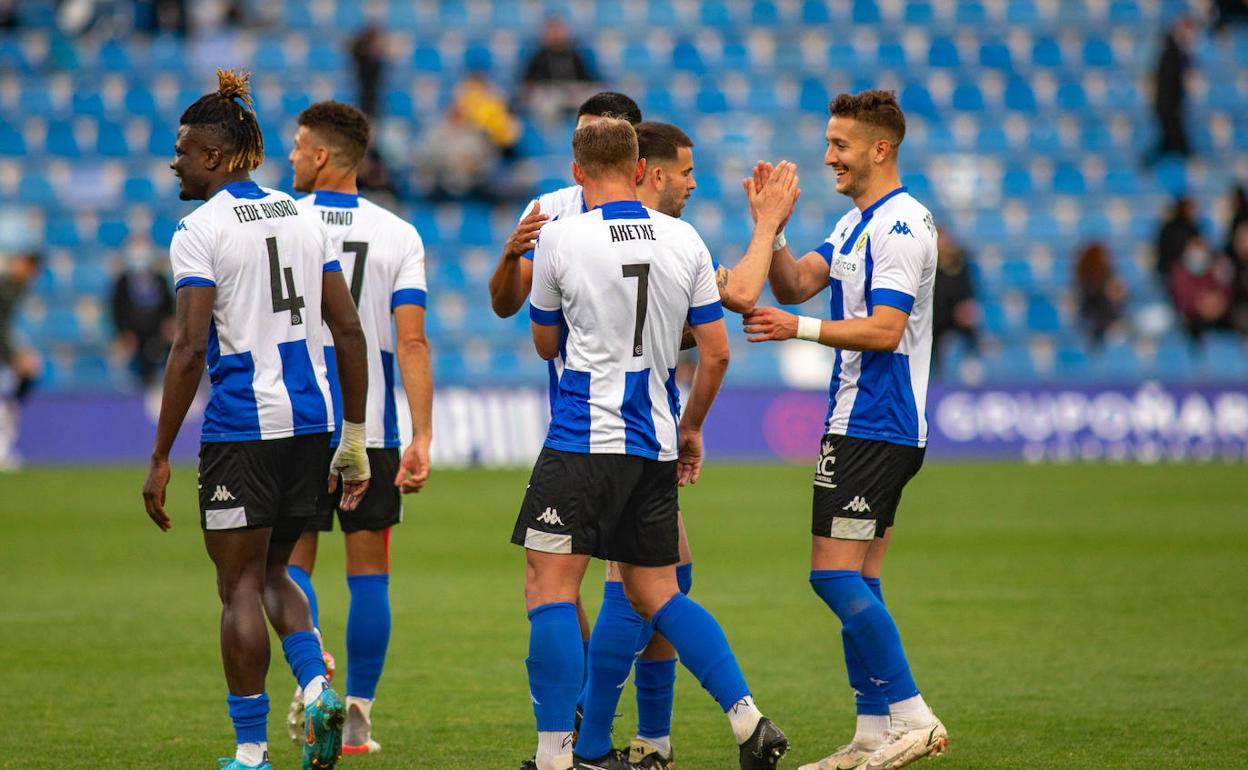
x=550, y=516
x=857, y=505
x=181, y=226
x=221, y=495
x=901, y=228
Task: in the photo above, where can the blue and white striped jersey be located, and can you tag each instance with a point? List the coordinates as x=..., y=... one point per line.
x=266, y=361
x=883, y=255
x=383, y=261
x=623, y=280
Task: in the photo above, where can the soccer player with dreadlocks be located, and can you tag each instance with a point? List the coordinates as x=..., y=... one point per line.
x=256, y=276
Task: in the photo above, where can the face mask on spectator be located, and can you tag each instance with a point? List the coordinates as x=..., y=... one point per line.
x=1196, y=259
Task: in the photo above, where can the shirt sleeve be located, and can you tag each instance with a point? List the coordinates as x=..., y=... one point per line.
x=528, y=254
x=898, y=257
x=190, y=254
x=545, y=299
x=704, y=304
x=409, y=284
x=330, y=263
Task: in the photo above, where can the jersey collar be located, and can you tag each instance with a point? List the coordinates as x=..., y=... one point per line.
x=337, y=200
x=245, y=188
x=623, y=210
x=869, y=211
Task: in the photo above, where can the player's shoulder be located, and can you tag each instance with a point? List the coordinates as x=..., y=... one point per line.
x=380, y=216
x=903, y=215
x=562, y=203
x=673, y=227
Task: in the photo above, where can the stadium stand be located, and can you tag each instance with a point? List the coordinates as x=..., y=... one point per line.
x=1027, y=122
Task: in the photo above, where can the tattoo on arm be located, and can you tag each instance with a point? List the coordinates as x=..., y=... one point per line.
x=721, y=278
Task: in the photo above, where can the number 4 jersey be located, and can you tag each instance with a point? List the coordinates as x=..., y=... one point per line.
x=266, y=361
x=383, y=260
x=623, y=279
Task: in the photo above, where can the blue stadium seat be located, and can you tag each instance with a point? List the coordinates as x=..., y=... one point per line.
x=1046, y=53
x=35, y=99
x=90, y=278
x=1043, y=227
x=687, y=58
x=478, y=58
x=1068, y=179
x=735, y=56
x=1171, y=176
x=967, y=97
x=140, y=101
x=992, y=139
x=1174, y=360
x=114, y=56
x=61, y=141
x=842, y=57
x=139, y=189
x=475, y=228
x=891, y=56
x=1097, y=53
x=1012, y=364
x=970, y=13
x=994, y=54
x=162, y=228
x=714, y=14
x=37, y=189
x=917, y=99
x=1016, y=182
x=943, y=54
x=1116, y=361
x=426, y=58
x=711, y=100
x=865, y=12
x=1125, y=12
x=1071, y=362
x=815, y=12
x=1017, y=274
x=1021, y=13
x=918, y=13
x=87, y=102
x=110, y=141
x=12, y=143
x=662, y=14
x=1121, y=180
x=60, y=325
x=1019, y=96
x=763, y=13
x=990, y=226
x=813, y=96
x=1071, y=96
x=1042, y=315
x=112, y=232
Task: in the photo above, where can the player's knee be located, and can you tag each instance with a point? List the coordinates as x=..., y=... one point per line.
x=647, y=600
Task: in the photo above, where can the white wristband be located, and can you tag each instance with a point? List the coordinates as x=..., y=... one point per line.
x=808, y=328
x=353, y=434
x=778, y=242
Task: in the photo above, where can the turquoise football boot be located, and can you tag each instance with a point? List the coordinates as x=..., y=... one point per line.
x=322, y=740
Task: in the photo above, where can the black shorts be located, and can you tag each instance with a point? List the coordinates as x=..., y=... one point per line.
x=617, y=507
x=381, y=506
x=858, y=484
x=253, y=484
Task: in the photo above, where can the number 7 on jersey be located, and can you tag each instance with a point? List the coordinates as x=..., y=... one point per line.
x=642, y=273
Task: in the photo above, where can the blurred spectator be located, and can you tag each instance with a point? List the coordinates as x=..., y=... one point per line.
x=1176, y=231
x=1239, y=214
x=373, y=179
x=954, y=309
x=1239, y=263
x=1229, y=12
x=1200, y=283
x=556, y=77
x=1171, y=89
x=368, y=52
x=456, y=161
x=142, y=304
x=9, y=16
x=20, y=366
x=1100, y=293
x=485, y=107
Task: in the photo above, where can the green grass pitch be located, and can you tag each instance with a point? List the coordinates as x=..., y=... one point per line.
x=1056, y=617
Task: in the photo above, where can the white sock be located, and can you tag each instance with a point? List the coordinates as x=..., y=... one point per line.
x=744, y=716
x=312, y=690
x=871, y=731
x=911, y=711
x=365, y=705
x=664, y=744
x=251, y=753
x=554, y=750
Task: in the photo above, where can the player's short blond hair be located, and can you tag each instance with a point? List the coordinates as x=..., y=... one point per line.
x=604, y=147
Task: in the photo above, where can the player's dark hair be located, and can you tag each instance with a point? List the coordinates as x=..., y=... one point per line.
x=342, y=126
x=660, y=141
x=878, y=108
x=609, y=104
x=229, y=111
x=605, y=146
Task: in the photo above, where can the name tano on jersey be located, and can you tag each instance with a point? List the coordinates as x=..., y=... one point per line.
x=339, y=217
x=251, y=212
x=632, y=233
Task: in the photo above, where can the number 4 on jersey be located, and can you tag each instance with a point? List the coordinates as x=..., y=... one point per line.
x=281, y=303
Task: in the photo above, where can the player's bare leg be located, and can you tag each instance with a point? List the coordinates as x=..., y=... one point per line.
x=239, y=556
x=368, y=633
x=838, y=568
x=300, y=568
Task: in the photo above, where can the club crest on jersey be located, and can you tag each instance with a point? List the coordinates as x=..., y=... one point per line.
x=901, y=228
x=861, y=243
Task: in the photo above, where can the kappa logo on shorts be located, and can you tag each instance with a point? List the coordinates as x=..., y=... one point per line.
x=857, y=505
x=221, y=495
x=550, y=516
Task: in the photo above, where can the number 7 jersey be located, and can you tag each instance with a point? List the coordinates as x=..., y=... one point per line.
x=383, y=260
x=266, y=361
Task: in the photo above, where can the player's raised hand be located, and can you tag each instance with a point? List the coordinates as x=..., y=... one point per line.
x=755, y=184
x=769, y=323
x=413, y=468
x=689, y=456
x=154, y=493
x=775, y=201
x=524, y=238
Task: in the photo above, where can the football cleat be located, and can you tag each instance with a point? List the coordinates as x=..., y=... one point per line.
x=847, y=757
x=528, y=764
x=229, y=763
x=612, y=760
x=294, y=714
x=764, y=748
x=645, y=754
x=357, y=731
x=322, y=746
x=906, y=744
x=531, y=763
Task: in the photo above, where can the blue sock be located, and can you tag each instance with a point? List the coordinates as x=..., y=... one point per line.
x=555, y=663
x=868, y=697
x=703, y=648
x=368, y=632
x=303, y=653
x=611, y=650
x=870, y=630
x=304, y=581
x=656, y=689
x=684, y=578
x=250, y=717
